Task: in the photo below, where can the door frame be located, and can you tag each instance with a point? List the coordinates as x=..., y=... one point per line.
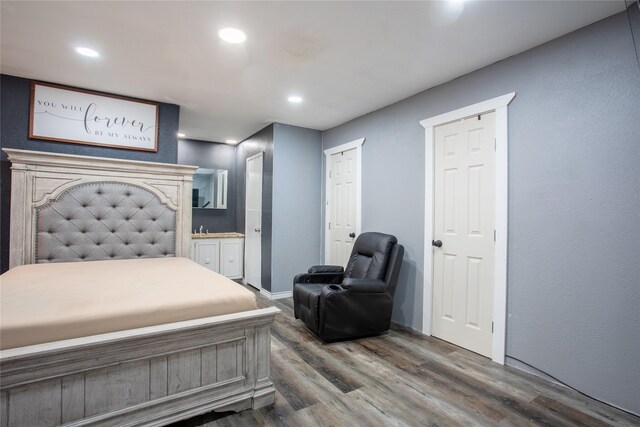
x=357, y=144
x=499, y=105
x=246, y=170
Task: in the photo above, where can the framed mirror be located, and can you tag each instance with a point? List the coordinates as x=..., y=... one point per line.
x=210, y=189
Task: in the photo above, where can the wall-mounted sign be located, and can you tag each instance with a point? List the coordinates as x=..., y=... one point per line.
x=60, y=113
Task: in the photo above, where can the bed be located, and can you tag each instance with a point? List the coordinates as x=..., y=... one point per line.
x=104, y=319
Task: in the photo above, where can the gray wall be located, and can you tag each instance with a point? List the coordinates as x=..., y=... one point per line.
x=574, y=202
x=260, y=141
x=297, y=160
x=215, y=155
x=15, y=95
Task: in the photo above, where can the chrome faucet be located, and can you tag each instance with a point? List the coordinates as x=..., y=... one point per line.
x=201, y=230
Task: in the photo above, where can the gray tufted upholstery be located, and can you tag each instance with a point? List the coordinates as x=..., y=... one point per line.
x=105, y=220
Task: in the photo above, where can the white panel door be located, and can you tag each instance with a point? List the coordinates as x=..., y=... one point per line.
x=464, y=193
x=342, y=206
x=253, y=222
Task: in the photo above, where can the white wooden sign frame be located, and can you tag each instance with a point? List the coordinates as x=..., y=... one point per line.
x=78, y=116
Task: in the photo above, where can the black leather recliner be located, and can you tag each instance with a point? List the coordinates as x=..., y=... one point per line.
x=340, y=303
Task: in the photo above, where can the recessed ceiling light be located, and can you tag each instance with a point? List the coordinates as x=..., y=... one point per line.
x=295, y=99
x=87, y=52
x=231, y=141
x=232, y=35
x=181, y=135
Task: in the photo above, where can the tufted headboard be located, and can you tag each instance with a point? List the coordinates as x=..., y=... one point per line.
x=79, y=208
x=104, y=220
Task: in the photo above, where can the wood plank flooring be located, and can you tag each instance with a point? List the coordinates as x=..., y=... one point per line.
x=403, y=379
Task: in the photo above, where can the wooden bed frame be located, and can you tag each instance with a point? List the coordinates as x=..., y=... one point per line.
x=146, y=376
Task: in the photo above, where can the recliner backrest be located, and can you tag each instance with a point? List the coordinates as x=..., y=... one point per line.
x=393, y=268
x=370, y=256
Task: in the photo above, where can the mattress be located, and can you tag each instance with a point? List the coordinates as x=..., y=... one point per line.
x=41, y=303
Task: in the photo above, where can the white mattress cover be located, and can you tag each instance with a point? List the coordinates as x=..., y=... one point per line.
x=50, y=302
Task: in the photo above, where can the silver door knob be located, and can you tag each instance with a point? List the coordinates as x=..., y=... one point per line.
x=257, y=230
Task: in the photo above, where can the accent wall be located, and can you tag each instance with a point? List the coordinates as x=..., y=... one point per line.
x=15, y=95
x=212, y=155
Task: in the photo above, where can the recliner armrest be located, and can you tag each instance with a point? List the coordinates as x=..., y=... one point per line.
x=326, y=269
x=364, y=285
x=327, y=278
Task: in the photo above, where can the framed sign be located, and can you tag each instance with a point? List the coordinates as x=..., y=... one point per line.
x=60, y=113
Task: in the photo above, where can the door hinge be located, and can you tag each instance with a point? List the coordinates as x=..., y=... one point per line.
x=329, y=226
x=494, y=235
x=329, y=174
x=495, y=144
x=491, y=327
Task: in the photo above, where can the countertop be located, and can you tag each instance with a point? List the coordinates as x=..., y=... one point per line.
x=218, y=236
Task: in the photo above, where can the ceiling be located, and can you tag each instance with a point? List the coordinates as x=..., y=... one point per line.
x=344, y=58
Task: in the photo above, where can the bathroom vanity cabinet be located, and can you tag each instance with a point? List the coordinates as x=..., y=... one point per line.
x=220, y=252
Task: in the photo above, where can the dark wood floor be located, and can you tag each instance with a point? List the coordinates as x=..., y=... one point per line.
x=403, y=378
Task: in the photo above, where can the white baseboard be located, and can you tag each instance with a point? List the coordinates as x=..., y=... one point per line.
x=276, y=295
